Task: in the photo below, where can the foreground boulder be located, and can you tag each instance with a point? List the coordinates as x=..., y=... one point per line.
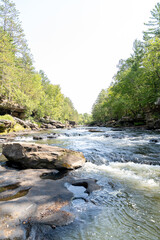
x=31, y=155
x=31, y=207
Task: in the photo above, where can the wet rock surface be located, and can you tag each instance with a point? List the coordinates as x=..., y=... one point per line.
x=45, y=136
x=53, y=199
x=42, y=204
x=30, y=155
x=95, y=130
x=38, y=137
x=53, y=135
x=35, y=200
x=154, y=140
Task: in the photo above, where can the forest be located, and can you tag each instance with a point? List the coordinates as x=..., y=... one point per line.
x=135, y=89
x=19, y=81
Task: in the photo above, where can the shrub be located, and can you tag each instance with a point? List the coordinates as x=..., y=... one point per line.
x=7, y=117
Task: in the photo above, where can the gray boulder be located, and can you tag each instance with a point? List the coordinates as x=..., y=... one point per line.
x=41, y=206
x=21, y=122
x=51, y=124
x=31, y=155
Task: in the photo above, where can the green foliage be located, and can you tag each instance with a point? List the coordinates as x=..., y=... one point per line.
x=136, y=85
x=139, y=123
x=17, y=128
x=7, y=117
x=19, y=82
x=85, y=119
x=153, y=24
x=99, y=110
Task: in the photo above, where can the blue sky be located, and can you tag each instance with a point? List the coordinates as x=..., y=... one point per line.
x=78, y=43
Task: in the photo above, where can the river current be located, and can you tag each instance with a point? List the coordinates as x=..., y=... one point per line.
x=126, y=164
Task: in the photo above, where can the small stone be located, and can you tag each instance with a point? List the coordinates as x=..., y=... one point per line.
x=153, y=140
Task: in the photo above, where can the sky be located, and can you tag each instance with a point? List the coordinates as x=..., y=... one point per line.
x=78, y=43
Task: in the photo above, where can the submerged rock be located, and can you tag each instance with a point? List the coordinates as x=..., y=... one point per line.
x=90, y=184
x=95, y=130
x=53, y=135
x=31, y=155
x=154, y=140
x=38, y=137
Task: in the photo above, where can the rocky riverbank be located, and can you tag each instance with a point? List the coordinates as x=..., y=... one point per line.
x=12, y=125
x=33, y=188
x=149, y=124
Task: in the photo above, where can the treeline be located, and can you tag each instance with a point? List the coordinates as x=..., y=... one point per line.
x=19, y=82
x=136, y=85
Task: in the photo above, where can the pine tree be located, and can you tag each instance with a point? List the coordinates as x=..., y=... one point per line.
x=153, y=24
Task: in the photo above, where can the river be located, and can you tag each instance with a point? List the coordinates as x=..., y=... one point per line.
x=126, y=164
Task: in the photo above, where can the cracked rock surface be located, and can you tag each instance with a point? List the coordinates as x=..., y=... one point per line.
x=42, y=203
x=31, y=155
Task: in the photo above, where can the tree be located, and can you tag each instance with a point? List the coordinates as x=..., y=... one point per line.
x=127, y=93
x=151, y=63
x=68, y=110
x=9, y=21
x=99, y=112
x=7, y=65
x=19, y=82
x=44, y=78
x=85, y=119
x=153, y=24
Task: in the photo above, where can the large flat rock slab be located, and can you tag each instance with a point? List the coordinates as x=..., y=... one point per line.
x=40, y=156
x=41, y=205
x=44, y=206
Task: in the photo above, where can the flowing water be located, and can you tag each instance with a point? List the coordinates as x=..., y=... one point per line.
x=126, y=164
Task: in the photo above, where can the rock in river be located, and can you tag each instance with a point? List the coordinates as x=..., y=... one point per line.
x=31, y=155
x=43, y=205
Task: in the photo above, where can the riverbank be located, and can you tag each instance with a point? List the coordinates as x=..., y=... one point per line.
x=12, y=126
x=126, y=122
